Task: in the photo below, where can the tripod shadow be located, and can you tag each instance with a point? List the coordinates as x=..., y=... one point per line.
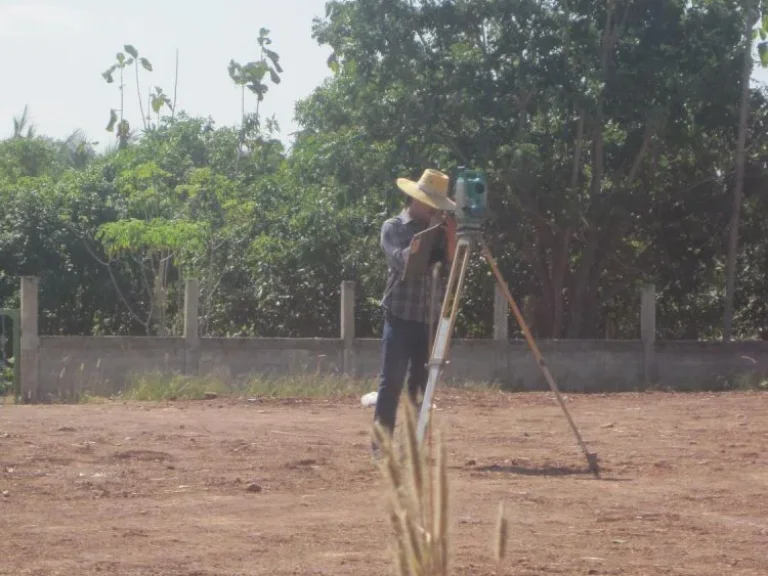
x=545, y=471
x=554, y=471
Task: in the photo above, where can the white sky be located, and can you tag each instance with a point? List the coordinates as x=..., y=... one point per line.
x=52, y=54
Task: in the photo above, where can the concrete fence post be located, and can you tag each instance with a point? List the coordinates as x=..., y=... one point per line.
x=30, y=340
x=348, y=326
x=191, y=326
x=501, y=334
x=500, y=315
x=648, y=331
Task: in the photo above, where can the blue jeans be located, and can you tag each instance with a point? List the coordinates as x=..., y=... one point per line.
x=403, y=342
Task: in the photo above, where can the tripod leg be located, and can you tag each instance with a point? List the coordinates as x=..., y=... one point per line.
x=432, y=299
x=442, y=340
x=591, y=458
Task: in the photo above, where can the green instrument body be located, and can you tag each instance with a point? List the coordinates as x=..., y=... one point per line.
x=471, y=199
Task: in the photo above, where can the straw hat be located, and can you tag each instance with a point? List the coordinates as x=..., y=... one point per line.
x=431, y=189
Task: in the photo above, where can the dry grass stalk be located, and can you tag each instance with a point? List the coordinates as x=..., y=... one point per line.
x=419, y=502
x=500, y=541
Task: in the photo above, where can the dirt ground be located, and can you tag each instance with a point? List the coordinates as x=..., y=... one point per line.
x=162, y=489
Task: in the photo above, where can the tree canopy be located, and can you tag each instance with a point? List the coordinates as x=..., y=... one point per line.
x=608, y=131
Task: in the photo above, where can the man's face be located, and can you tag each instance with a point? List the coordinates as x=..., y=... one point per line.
x=422, y=212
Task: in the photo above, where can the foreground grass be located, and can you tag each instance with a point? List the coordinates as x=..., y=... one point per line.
x=419, y=502
x=158, y=386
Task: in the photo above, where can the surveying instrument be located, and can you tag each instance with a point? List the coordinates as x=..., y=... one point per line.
x=471, y=192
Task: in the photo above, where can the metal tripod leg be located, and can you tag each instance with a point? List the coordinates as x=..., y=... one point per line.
x=442, y=341
x=591, y=458
x=441, y=346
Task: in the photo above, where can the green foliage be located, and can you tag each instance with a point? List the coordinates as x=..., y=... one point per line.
x=607, y=131
x=160, y=99
x=157, y=100
x=6, y=381
x=20, y=124
x=252, y=76
x=151, y=235
x=583, y=114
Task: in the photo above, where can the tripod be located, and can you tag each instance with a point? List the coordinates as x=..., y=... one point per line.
x=467, y=242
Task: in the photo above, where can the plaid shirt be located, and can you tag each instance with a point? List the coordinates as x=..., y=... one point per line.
x=407, y=299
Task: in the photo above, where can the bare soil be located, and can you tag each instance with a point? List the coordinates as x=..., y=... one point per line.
x=234, y=487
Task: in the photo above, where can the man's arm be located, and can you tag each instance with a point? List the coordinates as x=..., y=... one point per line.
x=396, y=255
x=447, y=242
x=450, y=239
x=445, y=247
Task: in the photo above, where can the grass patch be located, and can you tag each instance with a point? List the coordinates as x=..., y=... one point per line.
x=310, y=386
x=740, y=382
x=163, y=386
x=473, y=385
x=6, y=380
x=156, y=386
x=7, y=400
x=88, y=398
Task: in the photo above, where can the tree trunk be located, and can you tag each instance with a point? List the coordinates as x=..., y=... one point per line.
x=581, y=285
x=528, y=310
x=544, y=302
x=560, y=253
x=593, y=298
x=577, y=153
x=159, y=297
x=733, y=232
x=596, y=186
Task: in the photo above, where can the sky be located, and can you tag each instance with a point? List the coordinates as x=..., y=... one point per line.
x=52, y=54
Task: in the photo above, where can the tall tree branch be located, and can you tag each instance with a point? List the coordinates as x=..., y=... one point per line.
x=107, y=265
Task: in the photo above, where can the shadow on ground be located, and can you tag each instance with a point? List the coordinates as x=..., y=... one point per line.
x=547, y=471
x=534, y=470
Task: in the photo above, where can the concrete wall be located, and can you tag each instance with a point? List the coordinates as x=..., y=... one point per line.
x=689, y=365
x=72, y=364
x=63, y=366
x=577, y=365
x=106, y=365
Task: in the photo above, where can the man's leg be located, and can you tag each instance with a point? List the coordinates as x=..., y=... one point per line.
x=394, y=364
x=419, y=356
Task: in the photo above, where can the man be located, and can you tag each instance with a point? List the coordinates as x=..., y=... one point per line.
x=406, y=336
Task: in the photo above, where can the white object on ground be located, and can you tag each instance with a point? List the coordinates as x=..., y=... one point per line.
x=369, y=400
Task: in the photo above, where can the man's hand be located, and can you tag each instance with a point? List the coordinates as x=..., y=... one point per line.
x=450, y=237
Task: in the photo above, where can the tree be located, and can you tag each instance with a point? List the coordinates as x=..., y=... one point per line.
x=607, y=131
x=121, y=63
x=753, y=12
x=251, y=76
x=20, y=124
x=153, y=245
x=566, y=106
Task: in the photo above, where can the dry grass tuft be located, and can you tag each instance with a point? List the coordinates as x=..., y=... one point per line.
x=500, y=541
x=419, y=502
x=158, y=386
